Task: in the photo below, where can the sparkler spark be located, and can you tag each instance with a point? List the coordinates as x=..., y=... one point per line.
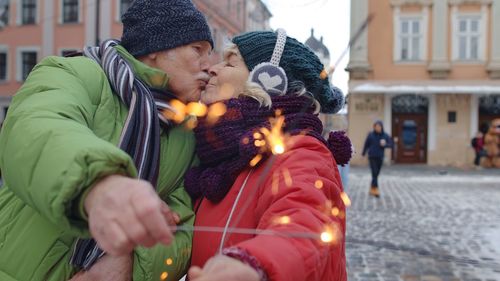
x=256, y=160
x=197, y=109
x=283, y=220
x=345, y=199
x=318, y=184
x=288, y=177
x=181, y=111
x=215, y=111
x=275, y=183
x=326, y=237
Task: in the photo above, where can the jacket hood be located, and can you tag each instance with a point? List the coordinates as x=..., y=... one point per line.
x=379, y=123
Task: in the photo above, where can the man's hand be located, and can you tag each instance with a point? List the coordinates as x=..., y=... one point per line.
x=223, y=268
x=108, y=268
x=124, y=213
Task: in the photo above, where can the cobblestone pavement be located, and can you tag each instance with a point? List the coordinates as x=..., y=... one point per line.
x=428, y=225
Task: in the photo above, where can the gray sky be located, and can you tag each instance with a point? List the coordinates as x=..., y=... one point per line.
x=329, y=18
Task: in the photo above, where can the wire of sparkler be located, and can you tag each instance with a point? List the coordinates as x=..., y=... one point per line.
x=353, y=40
x=251, y=231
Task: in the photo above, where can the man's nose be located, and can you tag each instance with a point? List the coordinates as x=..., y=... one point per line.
x=205, y=66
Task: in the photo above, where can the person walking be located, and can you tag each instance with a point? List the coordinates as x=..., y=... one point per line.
x=478, y=144
x=375, y=144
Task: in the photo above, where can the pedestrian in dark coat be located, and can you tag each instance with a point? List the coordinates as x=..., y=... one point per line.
x=375, y=144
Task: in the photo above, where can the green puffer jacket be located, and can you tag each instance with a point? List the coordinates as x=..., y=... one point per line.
x=59, y=137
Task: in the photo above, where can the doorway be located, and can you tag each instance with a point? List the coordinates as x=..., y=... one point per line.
x=409, y=128
x=489, y=109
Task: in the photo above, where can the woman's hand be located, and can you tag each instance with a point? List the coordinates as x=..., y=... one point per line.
x=223, y=268
x=108, y=268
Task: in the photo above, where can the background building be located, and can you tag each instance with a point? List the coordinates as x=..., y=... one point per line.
x=257, y=15
x=33, y=29
x=430, y=70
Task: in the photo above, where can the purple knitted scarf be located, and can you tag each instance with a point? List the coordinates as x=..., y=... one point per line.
x=223, y=154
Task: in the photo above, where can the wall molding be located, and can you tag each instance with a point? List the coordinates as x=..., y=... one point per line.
x=460, y=2
x=412, y=2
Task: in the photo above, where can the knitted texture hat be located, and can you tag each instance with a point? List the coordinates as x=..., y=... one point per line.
x=299, y=62
x=155, y=25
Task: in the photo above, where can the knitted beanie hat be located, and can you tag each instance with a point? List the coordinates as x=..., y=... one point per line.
x=297, y=60
x=155, y=25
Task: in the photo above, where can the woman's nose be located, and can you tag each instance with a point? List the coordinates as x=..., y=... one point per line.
x=214, y=69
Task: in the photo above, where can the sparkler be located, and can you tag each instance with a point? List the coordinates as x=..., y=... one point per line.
x=352, y=41
x=273, y=140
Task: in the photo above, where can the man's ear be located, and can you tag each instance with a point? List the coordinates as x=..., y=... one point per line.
x=153, y=56
x=149, y=59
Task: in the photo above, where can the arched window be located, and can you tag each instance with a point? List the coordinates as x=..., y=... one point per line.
x=410, y=104
x=489, y=105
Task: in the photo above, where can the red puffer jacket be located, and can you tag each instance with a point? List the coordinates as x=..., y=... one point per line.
x=298, y=194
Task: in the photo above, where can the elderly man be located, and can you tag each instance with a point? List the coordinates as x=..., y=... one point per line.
x=86, y=153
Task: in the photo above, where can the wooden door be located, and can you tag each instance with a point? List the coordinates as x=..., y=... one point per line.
x=410, y=138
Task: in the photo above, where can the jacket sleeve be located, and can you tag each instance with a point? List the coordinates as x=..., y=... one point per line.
x=367, y=144
x=150, y=263
x=309, y=210
x=389, y=141
x=48, y=153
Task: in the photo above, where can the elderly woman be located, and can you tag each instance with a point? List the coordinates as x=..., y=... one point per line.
x=271, y=203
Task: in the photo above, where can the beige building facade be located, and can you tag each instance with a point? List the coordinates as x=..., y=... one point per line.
x=430, y=70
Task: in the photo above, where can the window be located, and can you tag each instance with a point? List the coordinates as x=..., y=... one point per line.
x=4, y=15
x=3, y=66
x=452, y=117
x=70, y=11
x=469, y=37
x=28, y=61
x=124, y=5
x=28, y=11
x=409, y=134
x=410, y=39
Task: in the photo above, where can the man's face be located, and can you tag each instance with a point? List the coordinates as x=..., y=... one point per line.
x=187, y=69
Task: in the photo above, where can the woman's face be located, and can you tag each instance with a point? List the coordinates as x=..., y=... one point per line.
x=229, y=78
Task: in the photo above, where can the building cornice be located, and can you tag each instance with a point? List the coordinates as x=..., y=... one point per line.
x=359, y=70
x=439, y=70
x=460, y=2
x=474, y=87
x=494, y=70
x=398, y=3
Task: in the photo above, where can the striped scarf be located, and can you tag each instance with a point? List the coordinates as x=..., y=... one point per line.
x=140, y=136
